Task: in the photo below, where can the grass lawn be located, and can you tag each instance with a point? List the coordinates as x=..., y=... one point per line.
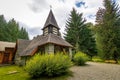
x=21, y=74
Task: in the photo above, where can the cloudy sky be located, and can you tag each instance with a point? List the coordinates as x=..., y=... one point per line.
x=32, y=14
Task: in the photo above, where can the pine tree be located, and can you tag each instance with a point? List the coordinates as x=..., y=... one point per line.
x=73, y=28
x=2, y=27
x=79, y=34
x=99, y=15
x=10, y=31
x=108, y=33
x=23, y=34
x=13, y=30
x=87, y=40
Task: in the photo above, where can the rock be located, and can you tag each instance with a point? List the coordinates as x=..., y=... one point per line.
x=12, y=72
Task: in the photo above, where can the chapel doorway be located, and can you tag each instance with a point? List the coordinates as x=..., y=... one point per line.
x=6, y=58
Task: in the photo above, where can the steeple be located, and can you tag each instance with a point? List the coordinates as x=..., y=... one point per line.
x=51, y=25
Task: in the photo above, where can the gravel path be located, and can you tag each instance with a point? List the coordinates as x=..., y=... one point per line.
x=96, y=71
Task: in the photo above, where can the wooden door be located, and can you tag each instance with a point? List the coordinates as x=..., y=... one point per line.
x=6, y=58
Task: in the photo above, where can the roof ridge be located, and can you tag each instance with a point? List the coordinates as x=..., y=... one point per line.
x=51, y=20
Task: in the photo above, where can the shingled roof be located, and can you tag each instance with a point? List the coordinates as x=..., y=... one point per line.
x=4, y=45
x=42, y=40
x=21, y=45
x=51, y=21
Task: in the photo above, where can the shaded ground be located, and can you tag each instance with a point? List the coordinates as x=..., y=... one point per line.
x=96, y=71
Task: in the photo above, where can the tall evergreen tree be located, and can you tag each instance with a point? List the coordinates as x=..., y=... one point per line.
x=108, y=33
x=2, y=27
x=10, y=31
x=23, y=34
x=13, y=30
x=79, y=34
x=87, y=40
x=73, y=28
x=99, y=15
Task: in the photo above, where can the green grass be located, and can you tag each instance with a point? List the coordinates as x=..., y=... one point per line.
x=20, y=75
x=23, y=75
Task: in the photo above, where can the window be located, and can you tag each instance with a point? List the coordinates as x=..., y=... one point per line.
x=50, y=29
x=46, y=31
x=55, y=31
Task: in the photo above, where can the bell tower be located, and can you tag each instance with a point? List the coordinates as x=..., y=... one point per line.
x=51, y=25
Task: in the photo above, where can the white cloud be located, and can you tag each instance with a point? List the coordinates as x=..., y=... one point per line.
x=38, y=5
x=33, y=13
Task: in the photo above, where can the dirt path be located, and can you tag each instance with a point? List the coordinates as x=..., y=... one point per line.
x=96, y=71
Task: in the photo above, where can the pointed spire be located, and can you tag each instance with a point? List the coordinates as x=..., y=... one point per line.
x=51, y=20
x=50, y=7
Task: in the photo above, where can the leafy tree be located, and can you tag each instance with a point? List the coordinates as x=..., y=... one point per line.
x=79, y=34
x=108, y=33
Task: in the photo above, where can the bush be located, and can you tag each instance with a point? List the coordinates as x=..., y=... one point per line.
x=48, y=65
x=110, y=61
x=97, y=59
x=80, y=58
x=118, y=61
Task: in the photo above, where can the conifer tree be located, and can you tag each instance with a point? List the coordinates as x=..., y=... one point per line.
x=23, y=34
x=108, y=33
x=79, y=34
x=73, y=28
x=2, y=27
x=87, y=40
x=13, y=30
x=10, y=31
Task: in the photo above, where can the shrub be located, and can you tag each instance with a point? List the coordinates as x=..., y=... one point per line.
x=48, y=65
x=110, y=61
x=80, y=58
x=97, y=59
x=118, y=61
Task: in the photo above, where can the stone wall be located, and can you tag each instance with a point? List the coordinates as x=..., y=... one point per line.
x=49, y=48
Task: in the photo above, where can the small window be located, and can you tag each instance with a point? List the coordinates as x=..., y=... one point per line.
x=55, y=31
x=45, y=31
x=50, y=29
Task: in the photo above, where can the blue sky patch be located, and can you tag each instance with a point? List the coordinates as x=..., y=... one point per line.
x=91, y=16
x=80, y=3
x=114, y=0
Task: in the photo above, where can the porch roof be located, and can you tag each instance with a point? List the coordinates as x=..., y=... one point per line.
x=3, y=45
